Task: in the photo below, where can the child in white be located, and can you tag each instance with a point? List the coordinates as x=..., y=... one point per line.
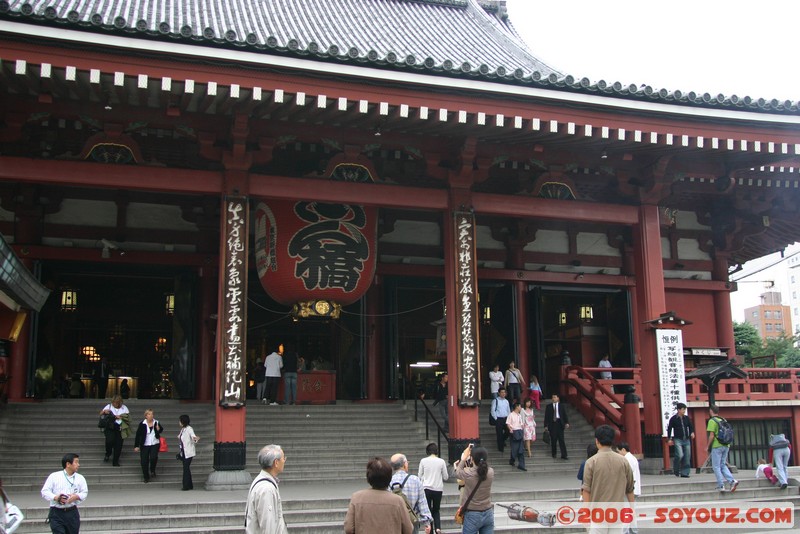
x=764, y=470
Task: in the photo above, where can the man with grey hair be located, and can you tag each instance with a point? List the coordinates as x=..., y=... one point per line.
x=263, y=512
x=412, y=488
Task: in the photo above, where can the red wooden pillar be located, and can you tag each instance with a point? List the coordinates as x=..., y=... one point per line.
x=699, y=421
x=722, y=306
x=517, y=261
x=463, y=420
x=205, y=354
x=20, y=359
x=27, y=231
x=650, y=303
x=375, y=360
x=230, y=453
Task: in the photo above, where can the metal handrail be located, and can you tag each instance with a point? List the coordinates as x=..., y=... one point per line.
x=440, y=432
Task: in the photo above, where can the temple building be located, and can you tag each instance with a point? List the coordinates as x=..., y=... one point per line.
x=387, y=188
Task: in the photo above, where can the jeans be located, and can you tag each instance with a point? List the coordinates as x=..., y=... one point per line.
x=683, y=457
x=478, y=522
x=260, y=387
x=445, y=422
x=514, y=392
x=290, y=388
x=719, y=459
x=501, y=430
x=781, y=457
x=517, y=452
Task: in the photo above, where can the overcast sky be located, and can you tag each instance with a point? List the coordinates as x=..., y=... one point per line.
x=731, y=47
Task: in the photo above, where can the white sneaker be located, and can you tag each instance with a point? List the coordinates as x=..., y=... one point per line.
x=264, y=401
x=273, y=403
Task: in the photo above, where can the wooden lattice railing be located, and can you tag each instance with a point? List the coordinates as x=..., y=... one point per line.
x=761, y=384
x=600, y=401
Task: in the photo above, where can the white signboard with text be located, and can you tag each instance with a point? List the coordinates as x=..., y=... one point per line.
x=671, y=373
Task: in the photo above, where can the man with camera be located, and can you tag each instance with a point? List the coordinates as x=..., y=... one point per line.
x=64, y=490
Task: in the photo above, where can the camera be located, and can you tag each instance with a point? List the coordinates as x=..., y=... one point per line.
x=62, y=499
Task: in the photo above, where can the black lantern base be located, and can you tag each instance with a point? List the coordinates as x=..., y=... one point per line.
x=229, y=467
x=230, y=455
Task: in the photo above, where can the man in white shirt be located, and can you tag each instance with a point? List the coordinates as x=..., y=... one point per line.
x=500, y=411
x=63, y=490
x=624, y=449
x=264, y=512
x=605, y=363
x=274, y=364
x=496, y=379
x=514, y=424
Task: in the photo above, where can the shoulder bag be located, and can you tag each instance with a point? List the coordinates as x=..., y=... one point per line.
x=12, y=515
x=463, y=509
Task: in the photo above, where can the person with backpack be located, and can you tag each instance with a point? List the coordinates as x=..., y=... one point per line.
x=411, y=489
x=263, y=511
x=780, y=451
x=720, y=437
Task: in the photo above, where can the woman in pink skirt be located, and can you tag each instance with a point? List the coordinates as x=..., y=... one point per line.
x=528, y=425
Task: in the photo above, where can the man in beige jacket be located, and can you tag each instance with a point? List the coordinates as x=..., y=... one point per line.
x=264, y=513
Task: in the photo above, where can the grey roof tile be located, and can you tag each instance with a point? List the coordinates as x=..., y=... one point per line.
x=472, y=38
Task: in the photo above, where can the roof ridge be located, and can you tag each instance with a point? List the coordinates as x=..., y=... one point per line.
x=509, y=39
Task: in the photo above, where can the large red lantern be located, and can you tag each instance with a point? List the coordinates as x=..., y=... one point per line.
x=315, y=256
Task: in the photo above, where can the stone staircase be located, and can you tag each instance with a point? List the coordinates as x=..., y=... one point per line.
x=577, y=437
x=332, y=443
x=315, y=515
x=34, y=436
x=327, y=448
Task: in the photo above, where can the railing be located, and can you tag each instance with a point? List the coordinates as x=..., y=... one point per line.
x=440, y=432
x=600, y=401
x=761, y=384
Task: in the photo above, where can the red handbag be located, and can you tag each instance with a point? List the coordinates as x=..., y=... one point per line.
x=162, y=446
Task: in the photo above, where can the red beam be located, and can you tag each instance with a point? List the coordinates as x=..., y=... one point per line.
x=557, y=278
x=697, y=285
x=540, y=208
x=81, y=173
x=130, y=257
x=387, y=196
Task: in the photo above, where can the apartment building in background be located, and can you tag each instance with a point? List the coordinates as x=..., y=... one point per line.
x=793, y=276
x=771, y=317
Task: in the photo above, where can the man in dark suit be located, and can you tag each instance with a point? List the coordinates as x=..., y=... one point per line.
x=555, y=421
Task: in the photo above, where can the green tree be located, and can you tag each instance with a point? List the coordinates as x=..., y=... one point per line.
x=784, y=348
x=748, y=342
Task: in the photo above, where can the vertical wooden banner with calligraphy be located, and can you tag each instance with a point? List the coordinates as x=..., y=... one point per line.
x=233, y=331
x=466, y=312
x=672, y=375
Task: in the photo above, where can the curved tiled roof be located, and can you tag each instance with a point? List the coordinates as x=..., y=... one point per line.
x=445, y=35
x=462, y=38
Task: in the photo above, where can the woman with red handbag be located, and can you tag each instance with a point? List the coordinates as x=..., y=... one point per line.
x=476, y=511
x=148, y=443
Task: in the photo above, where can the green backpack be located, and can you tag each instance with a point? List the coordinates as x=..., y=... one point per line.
x=397, y=489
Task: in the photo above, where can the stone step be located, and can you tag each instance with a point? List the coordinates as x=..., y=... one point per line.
x=328, y=515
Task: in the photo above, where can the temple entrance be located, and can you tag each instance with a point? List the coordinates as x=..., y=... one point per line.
x=115, y=324
x=582, y=324
x=335, y=346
